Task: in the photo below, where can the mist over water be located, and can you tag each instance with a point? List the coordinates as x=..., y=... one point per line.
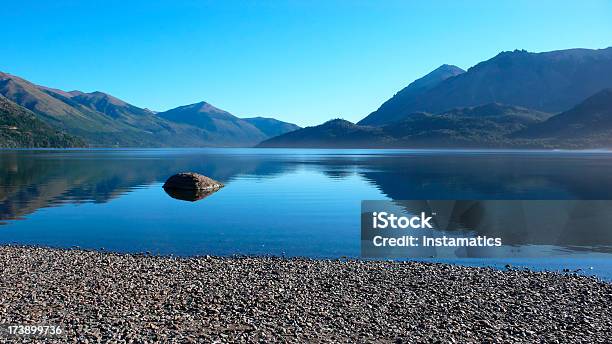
x=292, y=202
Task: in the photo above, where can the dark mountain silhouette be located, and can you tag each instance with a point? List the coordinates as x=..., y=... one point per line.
x=19, y=128
x=588, y=124
x=270, y=126
x=337, y=133
x=550, y=82
x=481, y=126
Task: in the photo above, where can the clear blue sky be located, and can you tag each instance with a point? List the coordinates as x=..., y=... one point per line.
x=300, y=61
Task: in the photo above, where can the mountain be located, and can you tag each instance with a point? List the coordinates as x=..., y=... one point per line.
x=101, y=119
x=588, y=124
x=19, y=128
x=549, y=82
x=485, y=126
x=270, y=126
x=218, y=125
x=392, y=109
x=337, y=133
x=66, y=111
x=480, y=126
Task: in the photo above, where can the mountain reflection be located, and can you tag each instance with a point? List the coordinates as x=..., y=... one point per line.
x=37, y=179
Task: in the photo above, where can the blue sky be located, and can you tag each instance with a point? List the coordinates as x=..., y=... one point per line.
x=299, y=61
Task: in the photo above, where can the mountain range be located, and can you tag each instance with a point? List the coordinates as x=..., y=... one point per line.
x=558, y=99
x=494, y=125
x=517, y=99
x=100, y=119
x=550, y=82
x=481, y=126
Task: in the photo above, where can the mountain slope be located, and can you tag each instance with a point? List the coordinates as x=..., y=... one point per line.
x=498, y=110
x=66, y=114
x=391, y=110
x=481, y=126
x=474, y=127
x=53, y=110
x=108, y=105
x=19, y=128
x=550, y=82
x=220, y=126
x=337, y=133
x=270, y=126
x=103, y=120
x=588, y=124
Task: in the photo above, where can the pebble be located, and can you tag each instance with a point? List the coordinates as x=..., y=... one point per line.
x=108, y=297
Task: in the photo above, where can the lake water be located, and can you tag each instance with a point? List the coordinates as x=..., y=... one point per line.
x=292, y=202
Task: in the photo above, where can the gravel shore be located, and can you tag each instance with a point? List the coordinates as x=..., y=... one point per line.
x=106, y=297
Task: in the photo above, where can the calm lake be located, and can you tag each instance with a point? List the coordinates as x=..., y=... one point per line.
x=292, y=202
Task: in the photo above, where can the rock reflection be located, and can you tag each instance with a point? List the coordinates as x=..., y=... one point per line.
x=188, y=195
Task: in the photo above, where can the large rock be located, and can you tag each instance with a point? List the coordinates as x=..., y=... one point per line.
x=192, y=181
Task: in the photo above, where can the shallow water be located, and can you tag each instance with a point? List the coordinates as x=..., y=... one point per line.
x=293, y=202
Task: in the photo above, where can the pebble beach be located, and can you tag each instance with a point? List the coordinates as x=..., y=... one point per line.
x=100, y=297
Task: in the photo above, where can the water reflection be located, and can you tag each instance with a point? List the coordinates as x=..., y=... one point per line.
x=188, y=195
x=575, y=225
x=39, y=179
x=317, y=189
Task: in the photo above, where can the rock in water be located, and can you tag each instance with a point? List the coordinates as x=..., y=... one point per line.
x=192, y=181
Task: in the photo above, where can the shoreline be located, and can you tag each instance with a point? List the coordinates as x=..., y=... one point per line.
x=102, y=296
x=407, y=149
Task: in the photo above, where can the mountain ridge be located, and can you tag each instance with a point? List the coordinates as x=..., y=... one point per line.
x=492, y=125
x=547, y=81
x=104, y=120
x=391, y=108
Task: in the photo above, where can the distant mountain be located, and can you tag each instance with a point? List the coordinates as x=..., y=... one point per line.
x=219, y=126
x=588, y=124
x=270, y=126
x=550, y=82
x=337, y=133
x=393, y=109
x=103, y=120
x=19, y=128
x=481, y=126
